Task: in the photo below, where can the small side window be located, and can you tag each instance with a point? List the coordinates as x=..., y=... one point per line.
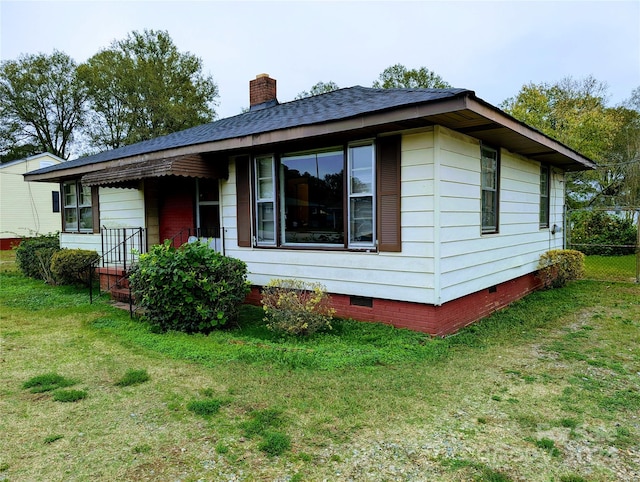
x=55, y=201
x=490, y=167
x=544, y=196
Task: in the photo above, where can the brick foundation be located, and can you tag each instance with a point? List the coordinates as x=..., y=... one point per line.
x=436, y=320
x=9, y=243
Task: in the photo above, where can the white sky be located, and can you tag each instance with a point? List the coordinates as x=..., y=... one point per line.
x=493, y=48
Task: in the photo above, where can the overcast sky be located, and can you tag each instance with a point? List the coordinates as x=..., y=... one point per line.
x=493, y=48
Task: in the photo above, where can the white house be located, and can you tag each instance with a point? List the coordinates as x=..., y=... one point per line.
x=423, y=208
x=27, y=209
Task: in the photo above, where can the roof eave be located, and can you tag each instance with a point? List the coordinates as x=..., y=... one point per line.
x=530, y=142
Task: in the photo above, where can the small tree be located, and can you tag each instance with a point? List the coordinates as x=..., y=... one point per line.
x=192, y=288
x=601, y=233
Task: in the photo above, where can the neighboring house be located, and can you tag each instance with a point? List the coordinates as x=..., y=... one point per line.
x=27, y=209
x=424, y=208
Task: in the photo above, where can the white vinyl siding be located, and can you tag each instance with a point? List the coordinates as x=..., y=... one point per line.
x=405, y=275
x=444, y=255
x=90, y=242
x=470, y=261
x=121, y=208
x=26, y=207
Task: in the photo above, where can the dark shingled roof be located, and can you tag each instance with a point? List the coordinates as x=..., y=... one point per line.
x=332, y=106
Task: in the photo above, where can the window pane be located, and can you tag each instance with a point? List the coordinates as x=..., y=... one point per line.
x=489, y=211
x=361, y=157
x=208, y=190
x=69, y=194
x=265, y=189
x=85, y=196
x=312, y=198
x=70, y=219
x=210, y=221
x=361, y=161
x=264, y=167
x=86, y=219
x=266, y=224
x=489, y=189
x=544, y=211
x=361, y=219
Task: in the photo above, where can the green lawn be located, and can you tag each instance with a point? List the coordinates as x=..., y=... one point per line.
x=545, y=390
x=614, y=268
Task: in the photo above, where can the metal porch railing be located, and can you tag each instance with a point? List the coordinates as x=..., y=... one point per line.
x=120, y=249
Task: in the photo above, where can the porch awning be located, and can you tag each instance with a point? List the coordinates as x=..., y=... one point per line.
x=193, y=165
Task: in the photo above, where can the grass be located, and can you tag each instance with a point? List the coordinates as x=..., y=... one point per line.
x=205, y=407
x=67, y=396
x=133, y=377
x=611, y=268
x=560, y=365
x=47, y=383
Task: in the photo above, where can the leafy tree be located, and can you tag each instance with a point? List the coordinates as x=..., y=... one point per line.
x=317, y=89
x=143, y=87
x=398, y=76
x=41, y=104
x=575, y=113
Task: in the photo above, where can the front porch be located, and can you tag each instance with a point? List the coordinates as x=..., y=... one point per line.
x=121, y=248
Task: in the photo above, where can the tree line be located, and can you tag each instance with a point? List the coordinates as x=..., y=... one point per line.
x=143, y=87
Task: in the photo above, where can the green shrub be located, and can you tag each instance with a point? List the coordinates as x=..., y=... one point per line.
x=296, y=307
x=559, y=266
x=601, y=233
x=69, y=395
x=191, y=289
x=133, y=377
x=275, y=443
x=204, y=407
x=47, y=382
x=71, y=266
x=33, y=256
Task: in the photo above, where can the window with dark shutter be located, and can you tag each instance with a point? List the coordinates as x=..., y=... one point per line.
x=243, y=208
x=388, y=213
x=55, y=201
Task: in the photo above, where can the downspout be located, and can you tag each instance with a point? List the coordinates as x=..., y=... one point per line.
x=437, y=269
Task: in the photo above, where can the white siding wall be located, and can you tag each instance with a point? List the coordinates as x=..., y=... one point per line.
x=26, y=208
x=407, y=275
x=81, y=241
x=121, y=208
x=469, y=260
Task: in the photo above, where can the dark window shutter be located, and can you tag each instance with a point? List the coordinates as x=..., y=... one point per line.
x=55, y=201
x=243, y=207
x=95, y=209
x=388, y=161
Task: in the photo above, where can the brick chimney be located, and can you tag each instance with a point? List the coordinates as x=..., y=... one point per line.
x=262, y=92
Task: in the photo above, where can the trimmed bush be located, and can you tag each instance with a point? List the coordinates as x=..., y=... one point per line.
x=33, y=256
x=601, y=233
x=559, y=266
x=191, y=289
x=71, y=266
x=296, y=307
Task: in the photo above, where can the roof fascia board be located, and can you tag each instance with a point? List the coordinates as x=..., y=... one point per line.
x=488, y=112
